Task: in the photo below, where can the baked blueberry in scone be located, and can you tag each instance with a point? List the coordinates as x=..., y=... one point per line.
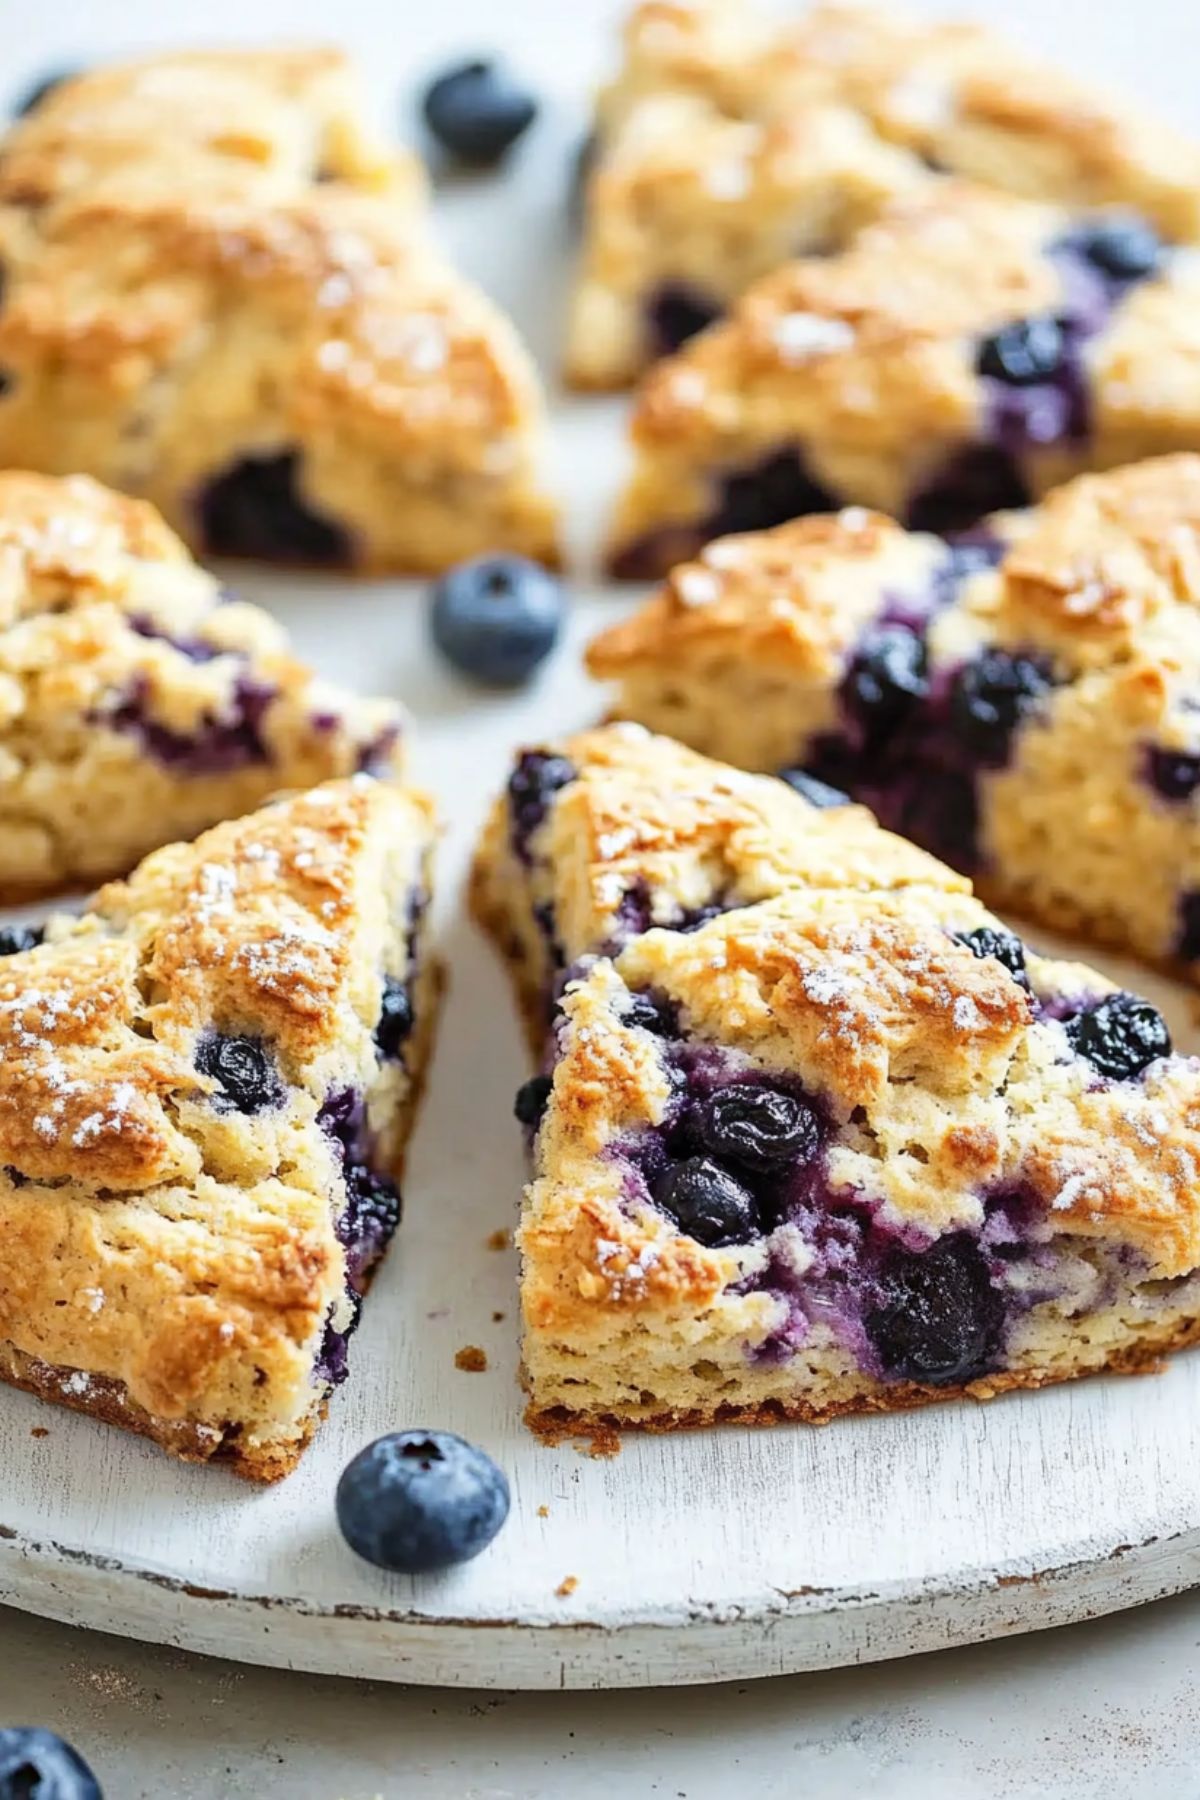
x=611, y=832
x=140, y=700
x=964, y=353
x=870, y=1153
x=1024, y=702
x=730, y=141
x=221, y=294
x=206, y=1083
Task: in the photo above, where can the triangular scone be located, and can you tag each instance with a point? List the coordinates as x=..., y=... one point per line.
x=730, y=141
x=222, y=295
x=964, y=353
x=140, y=700
x=1024, y=704
x=206, y=1083
x=608, y=833
x=851, y=1150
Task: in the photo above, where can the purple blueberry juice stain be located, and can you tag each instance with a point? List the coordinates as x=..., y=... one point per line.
x=217, y=746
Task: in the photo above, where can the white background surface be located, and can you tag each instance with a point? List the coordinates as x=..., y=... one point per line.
x=1100, y=1710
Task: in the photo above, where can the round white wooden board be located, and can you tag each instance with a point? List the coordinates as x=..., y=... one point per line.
x=706, y=1556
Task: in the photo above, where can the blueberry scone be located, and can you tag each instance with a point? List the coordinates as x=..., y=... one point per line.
x=731, y=141
x=222, y=295
x=966, y=352
x=140, y=701
x=851, y=1150
x=206, y=1083
x=1024, y=702
x=601, y=837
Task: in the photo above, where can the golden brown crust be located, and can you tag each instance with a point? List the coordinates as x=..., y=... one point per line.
x=158, y=1242
x=207, y=259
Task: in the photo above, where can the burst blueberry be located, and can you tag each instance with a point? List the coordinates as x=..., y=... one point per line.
x=255, y=508
x=936, y=1318
x=416, y=1501
x=497, y=618
x=769, y=493
x=477, y=111
x=1123, y=247
x=537, y=777
x=647, y=1013
x=1002, y=946
x=817, y=793
x=991, y=696
x=888, y=675
x=759, y=1128
x=1028, y=351
x=676, y=313
x=395, y=1019
x=1120, y=1037
x=37, y=1765
x=366, y=1228
x=244, y=1071
x=707, y=1202
x=15, y=938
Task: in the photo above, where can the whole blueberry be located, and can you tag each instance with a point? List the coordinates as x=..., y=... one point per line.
x=817, y=793
x=415, y=1501
x=1020, y=354
x=936, y=1317
x=15, y=938
x=41, y=90
x=395, y=1019
x=990, y=698
x=1124, y=246
x=37, y=1765
x=707, y=1202
x=886, y=677
x=1002, y=946
x=1120, y=1037
x=477, y=111
x=532, y=1099
x=496, y=618
x=759, y=1127
x=244, y=1071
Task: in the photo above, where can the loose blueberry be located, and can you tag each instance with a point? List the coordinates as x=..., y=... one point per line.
x=395, y=1019
x=37, y=1765
x=15, y=938
x=416, y=1501
x=531, y=786
x=245, y=1074
x=759, y=1127
x=1120, y=1037
x=531, y=1101
x=990, y=698
x=937, y=1318
x=497, y=618
x=676, y=313
x=1002, y=946
x=817, y=793
x=1020, y=354
x=255, y=509
x=477, y=111
x=643, y=1012
x=707, y=1203
x=41, y=90
x=886, y=677
x=1125, y=248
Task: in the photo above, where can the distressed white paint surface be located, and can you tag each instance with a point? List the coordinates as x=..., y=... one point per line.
x=724, y=1554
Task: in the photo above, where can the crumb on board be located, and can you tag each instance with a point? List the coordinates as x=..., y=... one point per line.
x=567, y=1586
x=471, y=1358
x=498, y=1318
x=39, y=1431
x=543, y=1512
x=499, y=1240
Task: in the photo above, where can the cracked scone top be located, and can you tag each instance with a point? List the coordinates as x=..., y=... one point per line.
x=206, y=1083
x=221, y=294
x=964, y=353
x=842, y=1143
x=729, y=142
x=1026, y=704
x=140, y=700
